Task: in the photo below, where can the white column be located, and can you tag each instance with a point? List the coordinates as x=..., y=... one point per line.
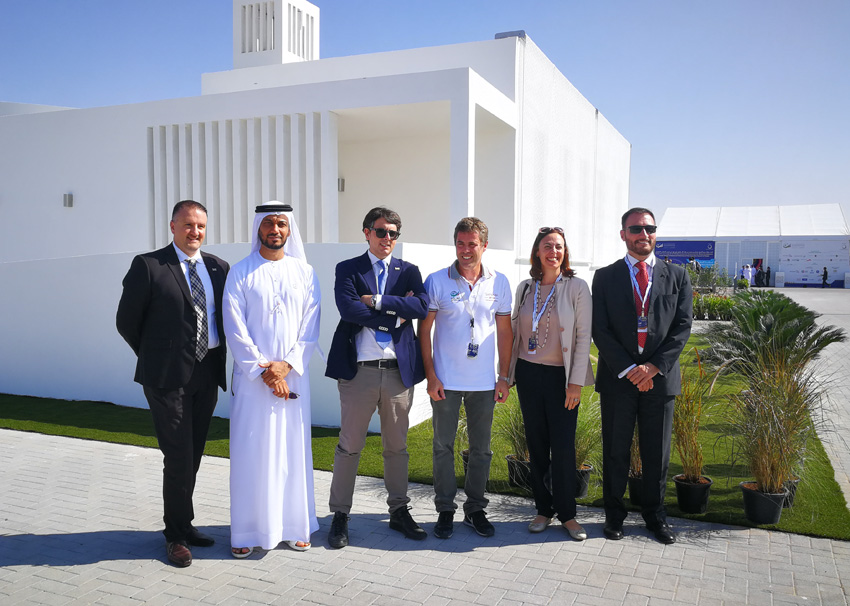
x=330, y=174
x=462, y=159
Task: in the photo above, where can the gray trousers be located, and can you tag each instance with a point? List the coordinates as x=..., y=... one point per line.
x=372, y=388
x=479, y=421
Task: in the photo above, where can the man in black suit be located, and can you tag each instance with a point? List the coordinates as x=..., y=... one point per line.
x=170, y=314
x=642, y=314
x=376, y=360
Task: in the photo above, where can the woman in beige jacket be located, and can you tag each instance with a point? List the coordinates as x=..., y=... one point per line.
x=551, y=352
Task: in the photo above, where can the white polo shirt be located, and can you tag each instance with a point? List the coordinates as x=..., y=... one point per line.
x=489, y=297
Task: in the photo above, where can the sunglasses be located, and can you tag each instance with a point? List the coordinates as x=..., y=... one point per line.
x=382, y=233
x=549, y=230
x=636, y=229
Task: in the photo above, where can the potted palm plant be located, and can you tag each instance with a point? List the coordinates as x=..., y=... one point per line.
x=588, y=442
x=692, y=487
x=510, y=428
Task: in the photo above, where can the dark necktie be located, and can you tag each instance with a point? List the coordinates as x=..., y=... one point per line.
x=642, y=280
x=383, y=338
x=199, y=299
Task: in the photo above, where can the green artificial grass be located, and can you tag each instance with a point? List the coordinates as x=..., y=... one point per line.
x=819, y=508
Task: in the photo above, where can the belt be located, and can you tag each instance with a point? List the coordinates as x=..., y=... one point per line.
x=381, y=364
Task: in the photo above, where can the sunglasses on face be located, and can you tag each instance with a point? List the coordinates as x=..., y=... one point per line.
x=549, y=230
x=636, y=229
x=382, y=233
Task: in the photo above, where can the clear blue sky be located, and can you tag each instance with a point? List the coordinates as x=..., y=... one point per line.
x=727, y=102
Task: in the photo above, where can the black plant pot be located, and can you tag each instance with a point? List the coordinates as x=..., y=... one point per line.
x=791, y=487
x=635, y=490
x=762, y=507
x=692, y=496
x=583, y=480
x=464, y=455
x=519, y=472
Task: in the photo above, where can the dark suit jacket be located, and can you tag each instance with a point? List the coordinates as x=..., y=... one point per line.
x=157, y=318
x=354, y=278
x=615, y=326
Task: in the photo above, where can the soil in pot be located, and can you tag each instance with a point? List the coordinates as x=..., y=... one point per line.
x=692, y=496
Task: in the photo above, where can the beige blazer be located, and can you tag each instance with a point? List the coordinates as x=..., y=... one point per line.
x=575, y=311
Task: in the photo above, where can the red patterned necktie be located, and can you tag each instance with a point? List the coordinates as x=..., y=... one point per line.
x=642, y=280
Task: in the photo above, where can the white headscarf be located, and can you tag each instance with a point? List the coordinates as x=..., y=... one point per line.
x=294, y=247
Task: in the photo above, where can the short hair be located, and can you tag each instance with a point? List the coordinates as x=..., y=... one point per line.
x=636, y=211
x=536, y=270
x=187, y=205
x=381, y=212
x=472, y=225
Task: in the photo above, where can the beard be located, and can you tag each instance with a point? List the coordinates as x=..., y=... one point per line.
x=266, y=244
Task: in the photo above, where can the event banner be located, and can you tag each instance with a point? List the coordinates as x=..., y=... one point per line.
x=803, y=261
x=679, y=251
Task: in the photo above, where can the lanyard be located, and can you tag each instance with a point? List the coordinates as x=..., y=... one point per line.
x=535, y=316
x=636, y=286
x=463, y=285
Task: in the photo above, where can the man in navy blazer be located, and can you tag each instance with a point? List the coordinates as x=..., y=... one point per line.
x=376, y=360
x=642, y=315
x=160, y=320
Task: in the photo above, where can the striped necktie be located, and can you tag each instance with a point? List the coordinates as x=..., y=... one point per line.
x=199, y=300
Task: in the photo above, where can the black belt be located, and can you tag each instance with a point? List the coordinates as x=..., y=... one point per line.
x=381, y=364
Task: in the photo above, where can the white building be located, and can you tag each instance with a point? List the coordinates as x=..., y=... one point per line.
x=490, y=129
x=795, y=241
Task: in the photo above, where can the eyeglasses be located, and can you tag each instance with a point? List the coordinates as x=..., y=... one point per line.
x=549, y=230
x=382, y=233
x=636, y=229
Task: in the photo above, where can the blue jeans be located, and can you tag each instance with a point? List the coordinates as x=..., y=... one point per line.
x=479, y=421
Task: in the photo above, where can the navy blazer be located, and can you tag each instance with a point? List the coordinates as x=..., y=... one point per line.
x=354, y=278
x=156, y=316
x=615, y=326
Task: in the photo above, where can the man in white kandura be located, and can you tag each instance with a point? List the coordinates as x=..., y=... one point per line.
x=271, y=319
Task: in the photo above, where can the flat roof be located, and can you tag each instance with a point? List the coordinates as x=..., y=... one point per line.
x=753, y=221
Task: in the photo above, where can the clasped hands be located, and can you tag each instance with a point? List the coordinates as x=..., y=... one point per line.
x=274, y=376
x=641, y=376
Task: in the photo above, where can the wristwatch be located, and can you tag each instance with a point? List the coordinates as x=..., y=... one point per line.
x=505, y=379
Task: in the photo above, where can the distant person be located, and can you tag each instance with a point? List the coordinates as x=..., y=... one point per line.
x=642, y=315
x=271, y=314
x=824, y=281
x=376, y=360
x=767, y=276
x=550, y=362
x=759, y=277
x=170, y=314
x=694, y=264
x=470, y=311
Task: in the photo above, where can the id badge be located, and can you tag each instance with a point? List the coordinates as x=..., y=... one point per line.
x=471, y=350
x=532, y=344
x=643, y=323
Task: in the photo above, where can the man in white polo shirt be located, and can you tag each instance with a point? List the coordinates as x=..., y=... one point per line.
x=470, y=309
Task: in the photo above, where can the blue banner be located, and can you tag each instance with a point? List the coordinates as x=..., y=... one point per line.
x=679, y=251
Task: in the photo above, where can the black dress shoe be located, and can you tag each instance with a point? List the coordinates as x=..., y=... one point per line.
x=338, y=536
x=402, y=521
x=178, y=553
x=197, y=538
x=663, y=533
x=613, y=531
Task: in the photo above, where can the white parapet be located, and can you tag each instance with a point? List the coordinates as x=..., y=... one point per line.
x=271, y=32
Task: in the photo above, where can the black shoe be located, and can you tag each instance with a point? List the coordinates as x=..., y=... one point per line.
x=477, y=520
x=663, y=533
x=338, y=536
x=196, y=538
x=613, y=531
x=401, y=520
x=445, y=527
x=178, y=553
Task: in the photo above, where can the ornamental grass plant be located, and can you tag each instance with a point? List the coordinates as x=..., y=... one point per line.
x=589, y=433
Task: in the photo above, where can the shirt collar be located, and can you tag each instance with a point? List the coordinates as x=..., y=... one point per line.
x=375, y=259
x=650, y=260
x=454, y=274
x=182, y=257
